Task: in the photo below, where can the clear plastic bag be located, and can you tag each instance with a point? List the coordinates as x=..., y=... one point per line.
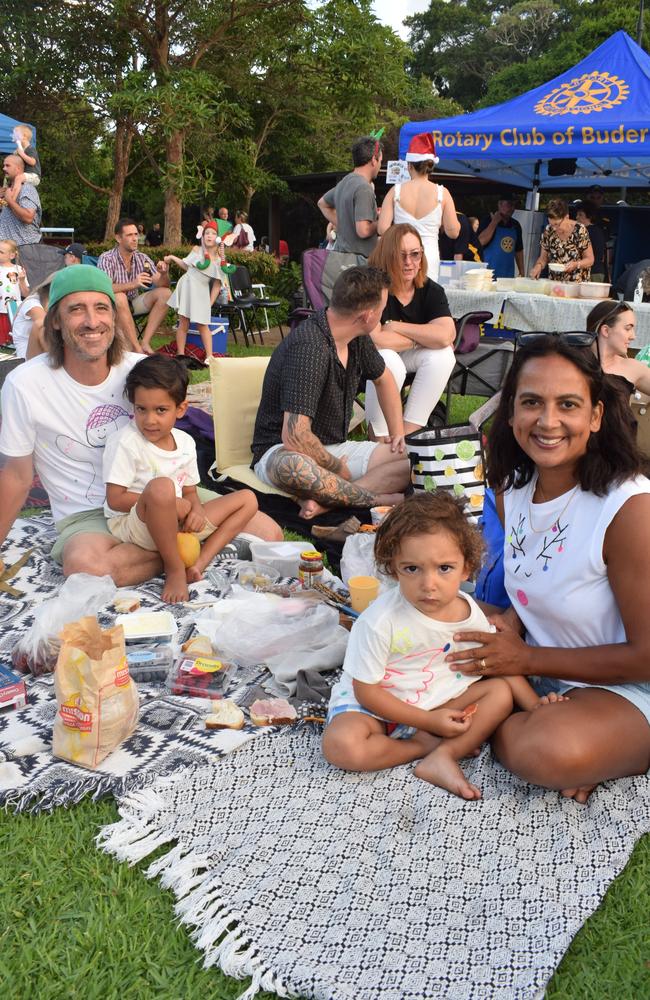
x=358, y=559
x=250, y=628
x=81, y=595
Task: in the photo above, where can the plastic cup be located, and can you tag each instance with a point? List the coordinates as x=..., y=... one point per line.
x=363, y=590
x=377, y=514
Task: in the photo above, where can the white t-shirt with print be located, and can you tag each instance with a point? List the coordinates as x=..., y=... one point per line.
x=396, y=646
x=64, y=425
x=132, y=461
x=10, y=275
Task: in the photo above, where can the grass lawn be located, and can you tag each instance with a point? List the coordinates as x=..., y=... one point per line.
x=75, y=923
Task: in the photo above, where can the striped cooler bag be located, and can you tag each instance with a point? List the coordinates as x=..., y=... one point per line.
x=451, y=458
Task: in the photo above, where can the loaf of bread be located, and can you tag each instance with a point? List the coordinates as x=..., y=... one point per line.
x=198, y=644
x=225, y=714
x=272, y=712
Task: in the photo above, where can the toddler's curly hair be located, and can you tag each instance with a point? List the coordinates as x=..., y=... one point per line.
x=426, y=513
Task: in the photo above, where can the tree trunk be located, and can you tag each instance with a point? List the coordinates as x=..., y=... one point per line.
x=121, y=155
x=175, y=152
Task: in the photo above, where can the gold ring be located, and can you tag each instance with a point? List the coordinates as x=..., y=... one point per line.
x=482, y=663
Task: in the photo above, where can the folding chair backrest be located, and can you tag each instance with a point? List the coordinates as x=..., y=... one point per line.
x=313, y=264
x=240, y=282
x=468, y=331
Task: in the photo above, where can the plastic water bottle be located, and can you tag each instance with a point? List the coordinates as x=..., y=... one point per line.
x=222, y=297
x=638, y=293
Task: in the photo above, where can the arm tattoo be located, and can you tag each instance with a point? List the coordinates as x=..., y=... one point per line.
x=304, y=441
x=303, y=477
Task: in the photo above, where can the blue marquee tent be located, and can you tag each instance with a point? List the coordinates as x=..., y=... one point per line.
x=596, y=114
x=7, y=125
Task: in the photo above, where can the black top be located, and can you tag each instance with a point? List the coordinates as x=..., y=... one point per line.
x=306, y=376
x=429, y=302
x=597, y=237
x=154, y=237
x=449, y=248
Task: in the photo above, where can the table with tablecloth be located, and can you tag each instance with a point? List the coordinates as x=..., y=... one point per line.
x=521, y=311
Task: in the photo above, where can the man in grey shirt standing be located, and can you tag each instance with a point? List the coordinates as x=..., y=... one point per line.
x=20, y=218
x=351, y=206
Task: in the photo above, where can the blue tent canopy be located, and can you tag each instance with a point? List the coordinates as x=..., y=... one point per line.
x=7, y=125
x=596, y=114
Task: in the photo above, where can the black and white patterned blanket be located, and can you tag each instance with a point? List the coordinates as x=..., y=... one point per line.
x=338, y=886
x=170, y=734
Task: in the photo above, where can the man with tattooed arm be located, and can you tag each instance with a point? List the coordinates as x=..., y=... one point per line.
x=300, y=440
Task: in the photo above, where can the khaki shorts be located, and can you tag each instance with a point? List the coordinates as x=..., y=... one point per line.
x=94, y=522
x=85, y=522
x=139, y=305
x=129, y=528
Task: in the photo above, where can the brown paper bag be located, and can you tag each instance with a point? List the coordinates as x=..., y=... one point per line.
x=97, y=702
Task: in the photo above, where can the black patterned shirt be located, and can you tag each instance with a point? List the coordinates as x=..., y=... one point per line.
x=306, y=376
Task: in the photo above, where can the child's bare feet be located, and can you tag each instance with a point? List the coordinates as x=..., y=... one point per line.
x=441, y=769
x=193, y=574
x=427, y=741
x=175, y=588
x=550, y=699
x=580, y=795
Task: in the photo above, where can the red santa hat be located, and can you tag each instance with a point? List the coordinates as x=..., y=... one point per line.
x=422, y=147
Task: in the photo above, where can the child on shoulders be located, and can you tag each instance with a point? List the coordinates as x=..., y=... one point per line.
x=396, y=681
x=22, y=136
x=151, y=473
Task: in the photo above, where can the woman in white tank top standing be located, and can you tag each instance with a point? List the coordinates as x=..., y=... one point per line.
x=575, y=504
x=424, y=205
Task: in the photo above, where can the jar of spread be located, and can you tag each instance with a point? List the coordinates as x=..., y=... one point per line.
x=310, y=568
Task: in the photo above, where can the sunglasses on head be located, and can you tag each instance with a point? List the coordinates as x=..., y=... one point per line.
x=576, y=338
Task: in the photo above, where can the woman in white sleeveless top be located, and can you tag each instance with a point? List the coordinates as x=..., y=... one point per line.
x=576, y=511
x=420, y=203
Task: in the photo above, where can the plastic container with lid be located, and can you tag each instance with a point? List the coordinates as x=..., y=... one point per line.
x=149, y=664
x=147, y=626
x=199, y=676
x=310, y=568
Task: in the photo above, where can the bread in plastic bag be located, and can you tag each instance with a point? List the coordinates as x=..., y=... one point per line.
x=97, y=702
x=80, y=595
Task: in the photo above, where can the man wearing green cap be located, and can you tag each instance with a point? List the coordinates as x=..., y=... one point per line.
x=57, y=412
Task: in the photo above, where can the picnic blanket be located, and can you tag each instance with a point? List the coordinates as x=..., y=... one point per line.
x=170, y=735
x=319, y=883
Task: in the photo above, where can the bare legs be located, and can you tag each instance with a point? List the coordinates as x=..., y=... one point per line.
x=101, y=555
x=230, y=515
x=181, y=335
x=320, y=489
x=156, y=302
x=125, y=321
x=573, y=745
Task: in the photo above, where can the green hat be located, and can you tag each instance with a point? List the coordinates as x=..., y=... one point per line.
x=79, y=278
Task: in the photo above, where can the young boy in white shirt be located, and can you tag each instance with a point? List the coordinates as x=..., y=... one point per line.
x=151, y=473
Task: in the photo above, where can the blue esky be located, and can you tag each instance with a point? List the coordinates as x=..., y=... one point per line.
x=392, y=13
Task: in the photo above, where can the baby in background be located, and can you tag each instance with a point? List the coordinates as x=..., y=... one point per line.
x=396, y=682
x=151, y=473
x=22, y=136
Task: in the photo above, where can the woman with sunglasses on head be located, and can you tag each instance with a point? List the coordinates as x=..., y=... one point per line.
x=614, y=324
x=416, y=332
x=575, y=504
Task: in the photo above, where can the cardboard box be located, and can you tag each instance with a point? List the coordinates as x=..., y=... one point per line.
x=12, y=688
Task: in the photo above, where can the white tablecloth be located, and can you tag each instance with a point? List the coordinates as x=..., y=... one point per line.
x=539, y=312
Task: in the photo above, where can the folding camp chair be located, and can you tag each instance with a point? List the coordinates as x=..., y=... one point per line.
x=245, y=305
x=481, y=362
x=320, y=269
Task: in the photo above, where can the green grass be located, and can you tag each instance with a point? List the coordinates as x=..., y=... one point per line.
x=76, y=923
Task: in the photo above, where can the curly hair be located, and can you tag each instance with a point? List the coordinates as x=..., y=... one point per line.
x=612, y=454
x=427, y=514
x=386, y=255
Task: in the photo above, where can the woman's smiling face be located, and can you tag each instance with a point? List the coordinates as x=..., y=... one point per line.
x=553, y=415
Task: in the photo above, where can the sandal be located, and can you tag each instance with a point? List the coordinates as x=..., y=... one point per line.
x=337, y=532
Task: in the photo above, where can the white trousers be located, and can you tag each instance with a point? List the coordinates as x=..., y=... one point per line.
x=432, y=371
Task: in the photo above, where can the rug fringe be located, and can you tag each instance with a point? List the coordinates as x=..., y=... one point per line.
x=200, y=902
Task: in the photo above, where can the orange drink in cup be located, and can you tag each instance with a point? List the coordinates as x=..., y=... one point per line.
x=363, y=590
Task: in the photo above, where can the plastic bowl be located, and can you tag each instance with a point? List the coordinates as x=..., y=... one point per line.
x=557, y=268
x=256, y=576
x=565, y=290
x=594, y=289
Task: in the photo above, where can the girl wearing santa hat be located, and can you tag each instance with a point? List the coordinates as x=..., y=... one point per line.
x=420, y=203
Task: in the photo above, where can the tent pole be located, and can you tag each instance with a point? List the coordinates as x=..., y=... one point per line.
x=639, y=25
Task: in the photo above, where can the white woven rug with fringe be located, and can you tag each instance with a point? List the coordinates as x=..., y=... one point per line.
x=341, y=886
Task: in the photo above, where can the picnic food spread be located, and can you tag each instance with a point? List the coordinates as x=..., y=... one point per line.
x=225, y=714
x=272, y=712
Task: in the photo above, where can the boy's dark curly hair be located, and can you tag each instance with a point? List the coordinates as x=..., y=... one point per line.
x=427, y=513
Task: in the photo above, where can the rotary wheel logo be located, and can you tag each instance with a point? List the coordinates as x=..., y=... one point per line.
x=591, y=92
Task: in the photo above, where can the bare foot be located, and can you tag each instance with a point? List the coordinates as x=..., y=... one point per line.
x=193, y=574
x=440, y=769
x=310, y=509
x=552, y=698
x=580, y=795
x=175, y=588
x=147, y=348
x=338, y=532
x=427, y=741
